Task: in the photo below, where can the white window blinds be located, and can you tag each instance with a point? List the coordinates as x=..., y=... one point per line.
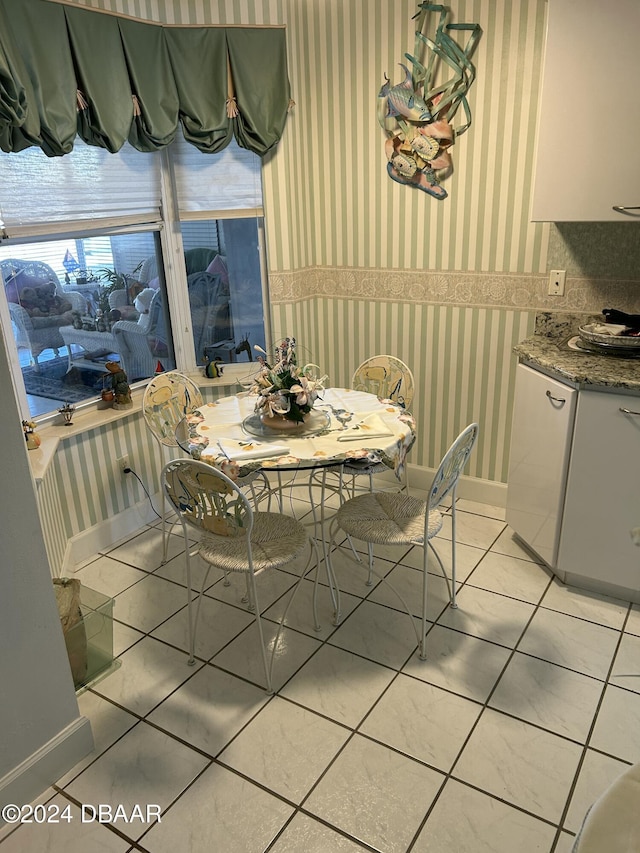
x=230, y=180
x=74, y=191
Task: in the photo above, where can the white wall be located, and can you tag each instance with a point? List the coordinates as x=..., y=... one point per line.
x=42, y=734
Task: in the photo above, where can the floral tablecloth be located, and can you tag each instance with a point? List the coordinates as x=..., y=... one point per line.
x=215, y=434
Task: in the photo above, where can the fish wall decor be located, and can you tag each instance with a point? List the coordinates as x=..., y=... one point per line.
x=417, y=113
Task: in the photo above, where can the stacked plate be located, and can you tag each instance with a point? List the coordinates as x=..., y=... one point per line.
x=623, y=345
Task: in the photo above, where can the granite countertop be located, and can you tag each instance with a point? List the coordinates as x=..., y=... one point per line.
x=547, y=350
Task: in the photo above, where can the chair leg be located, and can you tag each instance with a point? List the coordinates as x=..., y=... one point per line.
x=453, y=602
x=191, y=626
x=165, y=535
x=166, y=527
x=319, y=526
x=369, y=581
x=248, y=598
x=316, y=624
x=193, y=621
x=331, y=574
x=251, y=584
x=251, y=581
x=279, y=493
x=334, y=590
x=405, y=485
x=423, y=619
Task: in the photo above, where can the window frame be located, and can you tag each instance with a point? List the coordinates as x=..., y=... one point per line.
x=168, y=226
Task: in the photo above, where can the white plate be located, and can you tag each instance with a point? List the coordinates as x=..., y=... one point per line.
x=608, y=341
x=316, y=422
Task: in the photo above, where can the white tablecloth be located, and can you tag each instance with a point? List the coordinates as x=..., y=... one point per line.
x=216, y=434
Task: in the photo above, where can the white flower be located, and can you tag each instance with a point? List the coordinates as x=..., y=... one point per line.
x=304, y=393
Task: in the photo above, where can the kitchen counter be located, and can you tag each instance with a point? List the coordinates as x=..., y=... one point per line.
x=547, y=351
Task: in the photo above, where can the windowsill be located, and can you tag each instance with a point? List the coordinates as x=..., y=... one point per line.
x=93, y=417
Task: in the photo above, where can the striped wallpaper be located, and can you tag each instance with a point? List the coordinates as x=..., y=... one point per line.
x=460, y=356
x=342, y=209
x=84, y=486
x=359, y=264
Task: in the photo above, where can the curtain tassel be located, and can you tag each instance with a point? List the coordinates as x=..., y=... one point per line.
x=81, y=101
x=290, y=105
x=136, y=106
x=232, y=108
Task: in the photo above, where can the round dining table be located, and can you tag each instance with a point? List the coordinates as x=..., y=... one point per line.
x=344, y=425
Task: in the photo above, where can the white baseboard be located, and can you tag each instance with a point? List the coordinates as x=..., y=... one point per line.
x=38, y=772
x=85, y=545
x=469, y=488
x=106, y=534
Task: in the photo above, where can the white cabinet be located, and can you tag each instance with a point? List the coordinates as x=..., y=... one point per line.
x=602, y=503
x=573, y=492
x=539, y=458
x=587, y=159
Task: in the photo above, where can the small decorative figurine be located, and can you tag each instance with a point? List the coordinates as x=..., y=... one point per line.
x=119, y=385
x=107, y=394
x=67, y=413
x=30, y=435
x=245, y=346
x=101, y=322
x=213, y=367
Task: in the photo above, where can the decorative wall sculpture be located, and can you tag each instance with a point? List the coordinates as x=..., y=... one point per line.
x=416, y=114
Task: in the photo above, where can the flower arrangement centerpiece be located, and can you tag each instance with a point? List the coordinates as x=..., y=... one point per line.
x=286, y=391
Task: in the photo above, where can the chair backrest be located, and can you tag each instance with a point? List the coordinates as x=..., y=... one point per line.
x=386, y=376
x=209, y=300
x=454, y=460
x=18, y=274
x=156, y=326
x=167, y=399
x=207, y=499
x=118, y=298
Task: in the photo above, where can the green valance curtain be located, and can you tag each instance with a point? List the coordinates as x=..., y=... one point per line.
x=66, y=71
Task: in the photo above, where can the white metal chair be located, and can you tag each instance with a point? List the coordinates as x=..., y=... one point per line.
x=234, y=538
x=391, y=379
x=393, y=518
x=387, y=377
x=168, y=398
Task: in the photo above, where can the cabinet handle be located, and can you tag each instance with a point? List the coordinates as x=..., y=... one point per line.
x=553, y=399
x=629, y=412
x=626, y=210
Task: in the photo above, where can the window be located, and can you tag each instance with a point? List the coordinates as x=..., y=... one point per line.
x=83, y=270
x=228, y=184
x=227, y=315
x=68, y=321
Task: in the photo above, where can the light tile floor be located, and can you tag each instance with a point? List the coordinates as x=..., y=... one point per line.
x=526, y=710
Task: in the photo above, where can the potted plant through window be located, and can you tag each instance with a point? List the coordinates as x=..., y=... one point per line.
x=114, y=280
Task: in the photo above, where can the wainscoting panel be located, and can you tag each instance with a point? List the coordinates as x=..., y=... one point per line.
x=88, y=480
x=461, y=358
x=84, y=489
